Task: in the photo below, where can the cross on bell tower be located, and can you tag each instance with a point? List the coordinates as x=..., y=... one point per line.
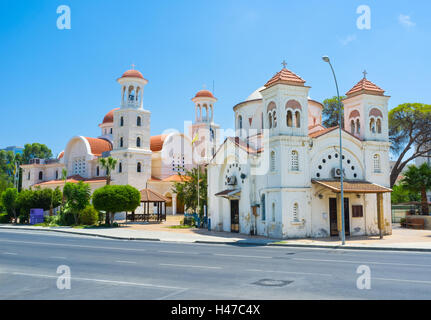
x=365, y=74
x=284, y=63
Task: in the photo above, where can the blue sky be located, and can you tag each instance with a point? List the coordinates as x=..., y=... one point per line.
x=56, y=84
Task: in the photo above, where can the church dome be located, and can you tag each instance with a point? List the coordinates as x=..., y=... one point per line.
x=204, y=94
x=256, y=95
x=132, y=74
x=109, y=117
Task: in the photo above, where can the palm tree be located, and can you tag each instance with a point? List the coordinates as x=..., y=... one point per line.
x=418, y=179
x=108, y=164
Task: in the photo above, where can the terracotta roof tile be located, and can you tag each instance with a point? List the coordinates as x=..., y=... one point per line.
x=156, y=142
x=148, y=195
x=365, y=86
x=204, y=94
x=132, y=74
x=98, y=146
x=287, y=77
x=109, y=117
x=72, y=179
x=352, y=186
x=176, y=178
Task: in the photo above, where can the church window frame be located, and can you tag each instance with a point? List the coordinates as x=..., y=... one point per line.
x=263, y=208
x=273, y=212
x=138, y=121
x=138, y=142
x=294, y=156
x=40, y=175
x=121, y=143
x=289, y=119
x=298, y=119
x=139, y=167
x=295, y=212
x=121, y=121
x=272, y=165
x=377, y=164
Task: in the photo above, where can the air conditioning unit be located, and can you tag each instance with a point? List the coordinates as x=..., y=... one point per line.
x=231, y=181
x=336, y=173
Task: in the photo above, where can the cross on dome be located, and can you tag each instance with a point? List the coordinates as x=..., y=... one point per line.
x=284, y=63
x=365, y=74
x=133, y=66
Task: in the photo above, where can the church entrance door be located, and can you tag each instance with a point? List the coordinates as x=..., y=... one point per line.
x=234, y=215
x=333, y=216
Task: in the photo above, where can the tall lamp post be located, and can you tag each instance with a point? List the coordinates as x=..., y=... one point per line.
x=343, y=235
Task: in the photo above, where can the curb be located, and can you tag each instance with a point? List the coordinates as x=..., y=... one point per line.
x=82, y=234
x=239, y=243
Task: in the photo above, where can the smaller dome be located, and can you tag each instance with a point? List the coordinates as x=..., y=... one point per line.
x=204, y=94
x=132, y=74
x=109, y=117
x=256, y=95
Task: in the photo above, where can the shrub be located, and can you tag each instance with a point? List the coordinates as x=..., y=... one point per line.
x=4, y=217
x=52, y=220
x=88, y=215
x=67, y=217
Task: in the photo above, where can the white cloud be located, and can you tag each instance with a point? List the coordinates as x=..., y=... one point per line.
x=345, y=41
x=406, y=21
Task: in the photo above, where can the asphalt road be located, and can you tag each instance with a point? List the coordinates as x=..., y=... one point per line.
x=116, y=269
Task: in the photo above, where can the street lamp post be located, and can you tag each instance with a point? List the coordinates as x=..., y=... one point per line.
x=343, y=235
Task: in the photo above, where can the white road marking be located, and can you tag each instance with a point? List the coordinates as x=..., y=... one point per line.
x=166, y=251
x=72, y=245
x=11, y=253
x=402, y=280
x=366, y=262
x=55, y=257
x=188, y=266
x=241, y=256
x=172, y=294
x=291, y=272
x=123, y=261
x=126, y=283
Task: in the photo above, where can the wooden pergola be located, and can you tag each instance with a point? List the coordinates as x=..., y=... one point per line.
x=149, y=196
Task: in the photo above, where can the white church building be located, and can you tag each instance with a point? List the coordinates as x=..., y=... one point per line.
x=143, y=161
x=280, y=176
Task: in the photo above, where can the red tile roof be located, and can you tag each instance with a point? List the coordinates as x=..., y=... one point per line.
x=287, y=77
x=320, y=133
x=132, y=74
x=204, y=94
x=98, y=146
x=148, y=195
x=367, y=87
x=109, y=117
x=72, y=179
x=352, y=186
x=61, y=155
x=156, y=142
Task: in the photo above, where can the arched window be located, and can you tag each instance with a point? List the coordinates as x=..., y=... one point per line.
x=289, y=119
x=121, y=121
x=138, y=121
x=274, y=119
x=40, y=175
x=262, y=207
x=111, y=131
x=261, y=120
x=139, y=167
x=273, y=212
x=295, y=160
x=358, y=126
x=138, y=142
x=272, y=164
x=295, y=212
x=120, y=167
x=121, y=142
x=212, y=134
x=239, y=122
x=352, y=127
x=97, y=171
x=56, y=174
x=270, y=120
x=372, y=126
x=376, y=164
x=298, y=119
x=379, y=126
x=28, y=176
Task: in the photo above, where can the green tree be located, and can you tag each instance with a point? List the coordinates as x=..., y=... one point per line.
x=116, y=198
x=418, y=179
x=330, y=112
x=401, y=195
x=410, y=134
x=77, y=196
x=89, y=215
x=187, y=190
x=25, y=202
x=34, y=150
x=108, y=164
x=8, y=199
x=56, y=199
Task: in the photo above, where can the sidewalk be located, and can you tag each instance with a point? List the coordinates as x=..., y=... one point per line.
x=401, y=239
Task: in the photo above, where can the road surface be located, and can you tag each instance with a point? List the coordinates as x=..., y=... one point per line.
x=123, y=269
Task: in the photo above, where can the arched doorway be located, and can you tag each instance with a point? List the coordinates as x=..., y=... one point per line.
x=180, y=206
